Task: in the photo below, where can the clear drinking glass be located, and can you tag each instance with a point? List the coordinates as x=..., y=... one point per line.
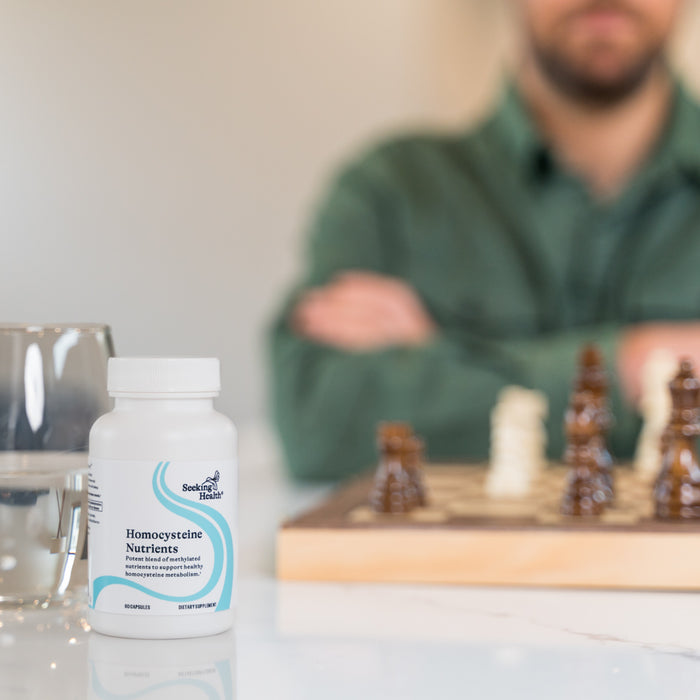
x=53, y=386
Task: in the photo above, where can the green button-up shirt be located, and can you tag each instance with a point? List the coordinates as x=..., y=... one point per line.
x=518, y=264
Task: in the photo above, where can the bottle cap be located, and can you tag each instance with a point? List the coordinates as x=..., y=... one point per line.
x=197, y=377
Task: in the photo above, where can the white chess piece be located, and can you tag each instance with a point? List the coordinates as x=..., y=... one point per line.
x=518, y=442
x=655, y=406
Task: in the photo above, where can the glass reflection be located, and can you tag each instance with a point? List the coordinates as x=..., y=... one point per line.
x=43, y=654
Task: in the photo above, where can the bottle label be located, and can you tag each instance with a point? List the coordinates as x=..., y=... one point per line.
x=160, y=536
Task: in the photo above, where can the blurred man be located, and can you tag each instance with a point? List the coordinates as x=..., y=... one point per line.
x=445, y=268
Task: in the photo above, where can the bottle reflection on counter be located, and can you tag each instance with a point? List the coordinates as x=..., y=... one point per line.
x=176, y=669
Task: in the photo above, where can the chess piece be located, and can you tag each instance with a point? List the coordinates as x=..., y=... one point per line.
x=518, y=442
x=387, y=430
x=655, y=405
x=394, y=489
x=593, y=378
x=412, y=455
x=586, y=490
x=677, y=489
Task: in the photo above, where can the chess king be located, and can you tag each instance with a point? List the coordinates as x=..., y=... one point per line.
x=443, y=268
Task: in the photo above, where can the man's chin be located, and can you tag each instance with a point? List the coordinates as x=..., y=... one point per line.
x=601, y=93
x=603, y=80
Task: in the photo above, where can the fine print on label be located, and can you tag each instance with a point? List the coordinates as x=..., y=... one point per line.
x=160, y=536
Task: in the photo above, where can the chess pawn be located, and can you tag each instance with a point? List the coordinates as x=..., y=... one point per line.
x=412, y=448
x=677, y=489
x=394, y=490
x=412, y=454
x=586, y=491
x=593, y=378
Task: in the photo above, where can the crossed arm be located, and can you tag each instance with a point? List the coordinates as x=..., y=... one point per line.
x=365, y=311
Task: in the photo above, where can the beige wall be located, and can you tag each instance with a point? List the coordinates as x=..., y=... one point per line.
x=158, y=157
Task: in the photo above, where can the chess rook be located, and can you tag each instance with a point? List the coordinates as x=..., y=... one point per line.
x=387, y=430
x=518, y=442
x=394, y=489
x=677, y=489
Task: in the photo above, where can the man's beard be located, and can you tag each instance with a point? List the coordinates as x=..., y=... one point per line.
x=587, y=89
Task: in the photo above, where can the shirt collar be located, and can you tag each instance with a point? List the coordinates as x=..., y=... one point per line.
x=516, y=129
x=678, y=148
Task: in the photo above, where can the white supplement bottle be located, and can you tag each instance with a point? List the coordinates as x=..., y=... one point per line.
x=162, y=494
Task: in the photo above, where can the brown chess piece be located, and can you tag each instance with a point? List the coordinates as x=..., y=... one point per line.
x=413, y=448
x=593, y=378
x=677, y=488
x=586, y=490
x=394, y=490
x=390, y=429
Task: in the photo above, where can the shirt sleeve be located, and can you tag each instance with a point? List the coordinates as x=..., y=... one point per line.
x=327, y=402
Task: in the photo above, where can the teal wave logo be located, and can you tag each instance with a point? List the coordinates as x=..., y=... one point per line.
x=214, y=526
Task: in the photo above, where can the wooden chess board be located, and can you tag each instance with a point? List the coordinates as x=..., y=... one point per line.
x=465, y=537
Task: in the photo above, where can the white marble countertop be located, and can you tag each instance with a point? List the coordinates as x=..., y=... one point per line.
x=320, y=641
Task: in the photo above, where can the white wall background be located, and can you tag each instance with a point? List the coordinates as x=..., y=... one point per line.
x=158, y=158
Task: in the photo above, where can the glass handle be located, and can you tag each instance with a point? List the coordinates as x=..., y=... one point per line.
x=71, y=545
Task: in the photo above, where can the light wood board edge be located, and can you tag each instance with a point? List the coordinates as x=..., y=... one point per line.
x=643, y=560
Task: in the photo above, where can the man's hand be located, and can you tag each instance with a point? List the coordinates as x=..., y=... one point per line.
x=363, y=311
x=679, y=338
